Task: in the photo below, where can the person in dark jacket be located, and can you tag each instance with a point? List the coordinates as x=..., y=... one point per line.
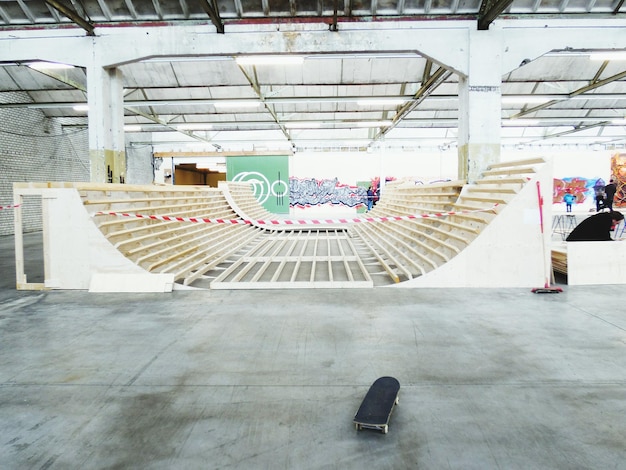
x=609, y=194
x=596, y=228
x=370, y=199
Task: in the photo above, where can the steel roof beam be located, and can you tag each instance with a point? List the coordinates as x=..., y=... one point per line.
x=27, y=12
x=72, y=15
x=489, y=11
x=573, y=94
x=212, y=9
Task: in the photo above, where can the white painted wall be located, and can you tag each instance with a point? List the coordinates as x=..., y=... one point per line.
x=434, y=164
x=350, y=167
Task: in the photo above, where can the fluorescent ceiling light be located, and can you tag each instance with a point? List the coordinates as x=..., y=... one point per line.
x=132, y=127
x=374, y=124
x=81, y=107
x=381, y=102
x=520, y=122
x=520, y=99
x=237, y=104
x=619, y=121
x=608, y=55
x=194, y=126
x=302, y=125
x=270, y=60
x=41, y=65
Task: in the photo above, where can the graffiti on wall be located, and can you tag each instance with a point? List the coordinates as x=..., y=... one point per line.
x=307, y=192
x=585, y=188
x=618, y=173
x=581, y=188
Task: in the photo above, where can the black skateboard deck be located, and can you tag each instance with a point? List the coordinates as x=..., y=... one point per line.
x=377, y=406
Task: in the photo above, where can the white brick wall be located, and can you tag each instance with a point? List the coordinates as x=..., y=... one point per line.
x=36, y=148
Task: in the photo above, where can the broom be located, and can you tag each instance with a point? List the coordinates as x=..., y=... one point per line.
x=546, y=289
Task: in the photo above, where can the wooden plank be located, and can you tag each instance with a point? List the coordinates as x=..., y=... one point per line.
x=528, y=161
x=18, y=201
x=377, y=248
x=512, y=170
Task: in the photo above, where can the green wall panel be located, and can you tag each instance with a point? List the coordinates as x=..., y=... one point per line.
x=269, y=176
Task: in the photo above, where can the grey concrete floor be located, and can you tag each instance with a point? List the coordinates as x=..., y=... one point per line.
x=490, y=378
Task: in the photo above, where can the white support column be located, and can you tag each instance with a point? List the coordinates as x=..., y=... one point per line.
x=106, y=124
x=480, y=105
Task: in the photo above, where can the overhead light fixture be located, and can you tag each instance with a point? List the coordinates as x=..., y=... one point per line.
x=270, y=60
x=522, y=99
x=381, y=102
x=302, y=125
x=42, y=65
x=194, y=126
x=132, y=128
x=621, y=121
x=374, y=123
x=237, y=104
x=520, y=122
x=81, y=107
x=608, y=55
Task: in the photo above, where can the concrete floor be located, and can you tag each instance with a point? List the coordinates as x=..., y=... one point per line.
x=491, y=378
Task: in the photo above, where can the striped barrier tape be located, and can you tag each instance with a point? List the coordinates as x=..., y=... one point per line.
x=9, y=207
x=199, y=220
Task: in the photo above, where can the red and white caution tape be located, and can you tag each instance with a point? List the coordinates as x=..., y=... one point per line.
x=9, y=207
x=199, y=220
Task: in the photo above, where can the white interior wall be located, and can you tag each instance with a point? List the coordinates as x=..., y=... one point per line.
x=350, y=167
x=569, y=162
x=427, y=165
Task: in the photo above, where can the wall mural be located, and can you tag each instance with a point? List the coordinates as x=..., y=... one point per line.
x=585, y=188
x=581, y=188
x=307, y=192
x=618, y=172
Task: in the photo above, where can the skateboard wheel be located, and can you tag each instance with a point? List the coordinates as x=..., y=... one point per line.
x=397, y=400
x=385, y=429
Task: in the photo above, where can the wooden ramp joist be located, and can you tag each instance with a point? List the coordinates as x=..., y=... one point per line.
x=298, y=259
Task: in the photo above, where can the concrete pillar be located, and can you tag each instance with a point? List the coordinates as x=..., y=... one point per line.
x=105, y=97
x=480, y=105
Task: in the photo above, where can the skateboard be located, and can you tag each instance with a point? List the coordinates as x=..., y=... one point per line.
x=376, y=407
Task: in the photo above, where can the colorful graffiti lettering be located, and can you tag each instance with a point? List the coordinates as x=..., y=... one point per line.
x=307, y=192
x=581, y=188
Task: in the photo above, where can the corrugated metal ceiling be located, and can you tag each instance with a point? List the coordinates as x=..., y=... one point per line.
x=317, y=103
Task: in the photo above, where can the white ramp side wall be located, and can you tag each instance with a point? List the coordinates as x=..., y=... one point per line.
x=74, y=248
x=593, y=263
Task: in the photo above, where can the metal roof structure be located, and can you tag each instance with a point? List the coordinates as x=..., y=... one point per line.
x=339, y=100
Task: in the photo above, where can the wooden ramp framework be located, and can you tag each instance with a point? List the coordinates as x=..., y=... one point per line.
x=249, y=254
x=411, y=248
x=313, y=258
x=188, y=250
x=222, y=256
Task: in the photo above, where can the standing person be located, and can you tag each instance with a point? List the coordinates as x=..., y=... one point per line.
x=600, y=195
x=569, y=198
x=370, y=199
x=596, y=228
x=609, y=191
